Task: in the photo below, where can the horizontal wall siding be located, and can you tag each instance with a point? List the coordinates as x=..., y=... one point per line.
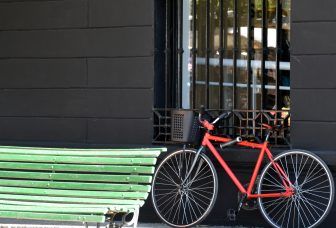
x=312, y=10
x=314, y=38
x=75, y=43
x=43, y=73
x=43, y=14
x=121, y=73
x=38, y=130
x=76, y=71
x=313, y=81
x=315, y=135
x=105, y=103
x=313, y=72
x=122, y=131
x=104, y=13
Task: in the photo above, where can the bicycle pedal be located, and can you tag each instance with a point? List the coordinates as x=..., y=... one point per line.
x=232, y=215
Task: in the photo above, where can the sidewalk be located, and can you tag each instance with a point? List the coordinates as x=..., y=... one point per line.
x=21, y=224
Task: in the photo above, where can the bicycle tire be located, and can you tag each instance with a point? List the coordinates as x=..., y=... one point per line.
x=168, y=196
x=314, y=190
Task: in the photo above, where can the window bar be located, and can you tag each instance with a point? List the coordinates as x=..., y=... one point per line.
x=264, y=53
x=194, y=55
x=180, y=53
x=221, y=54
x=207, y=39
x=278, y=58
x=249, y=59
x=167, y=63
x=235, y=49
x=278, y=50
x=264, y=58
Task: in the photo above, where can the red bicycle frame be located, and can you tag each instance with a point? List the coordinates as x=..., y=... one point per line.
x=263, y=149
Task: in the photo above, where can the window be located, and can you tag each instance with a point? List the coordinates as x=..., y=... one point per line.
x=228, y=55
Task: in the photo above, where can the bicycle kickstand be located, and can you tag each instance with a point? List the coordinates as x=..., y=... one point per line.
x=233, y=214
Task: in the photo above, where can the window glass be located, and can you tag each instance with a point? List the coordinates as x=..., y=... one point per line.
x=236, y=44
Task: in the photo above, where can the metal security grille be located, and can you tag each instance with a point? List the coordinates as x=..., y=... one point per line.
x=226, y=55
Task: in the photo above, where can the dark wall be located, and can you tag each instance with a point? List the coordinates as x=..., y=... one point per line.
x=313, y=74
x=76, y=71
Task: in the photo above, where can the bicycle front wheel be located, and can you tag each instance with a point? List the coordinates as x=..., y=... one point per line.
x=313, y=187
x=181, y=202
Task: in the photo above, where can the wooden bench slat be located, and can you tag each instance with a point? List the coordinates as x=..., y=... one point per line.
x=93, y=153
x=114, y=207
x=72, y=185
x=76, y=177
x=76, y=160
x=161, y=149
x=74, y=200
x=78, y=168
x=52, y=216
x=55, y=209
x=74, y=193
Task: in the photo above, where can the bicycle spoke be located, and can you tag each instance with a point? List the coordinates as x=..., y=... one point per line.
x=194, y=198
x=171, y=208
x=284, y=213
x=168, y=176
x=304, y=213
x=274, y=184
x=173, y=169
x=312, y=179
x=312, y=205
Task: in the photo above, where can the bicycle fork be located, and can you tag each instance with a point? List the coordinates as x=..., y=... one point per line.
x=193, y=165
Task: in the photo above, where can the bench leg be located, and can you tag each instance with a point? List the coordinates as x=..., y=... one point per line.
x=134, y=220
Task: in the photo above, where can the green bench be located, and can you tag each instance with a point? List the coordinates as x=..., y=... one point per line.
x=79, y=185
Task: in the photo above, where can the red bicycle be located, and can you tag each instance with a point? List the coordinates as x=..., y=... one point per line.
x=295, y=189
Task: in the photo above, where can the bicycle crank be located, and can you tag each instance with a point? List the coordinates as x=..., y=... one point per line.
x=248, y=204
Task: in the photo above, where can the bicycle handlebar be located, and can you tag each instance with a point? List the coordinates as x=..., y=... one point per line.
x=205, y=123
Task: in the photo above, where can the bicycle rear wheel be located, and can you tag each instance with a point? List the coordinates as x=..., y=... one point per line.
x=184, y=205
x=314, y=190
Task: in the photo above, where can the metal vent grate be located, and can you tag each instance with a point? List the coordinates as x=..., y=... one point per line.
x=178, y=126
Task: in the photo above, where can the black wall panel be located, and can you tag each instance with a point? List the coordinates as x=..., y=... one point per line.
x=314, y=104
x=104, y=13
x=315, y=135
x=119, y=131
x=52, y=130
x=310, y=38
x=107, y=42
x=313, y=71
x=313, y=81
x=76, y=72
x=121, y=73
x=43, y=73
x=312, y=10
x=43, y=14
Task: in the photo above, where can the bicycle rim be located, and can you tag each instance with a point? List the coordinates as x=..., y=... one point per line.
x=314, y=190
x=188, y=204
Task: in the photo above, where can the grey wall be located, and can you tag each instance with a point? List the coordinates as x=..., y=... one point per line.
x=76, y=71
x=313, y=74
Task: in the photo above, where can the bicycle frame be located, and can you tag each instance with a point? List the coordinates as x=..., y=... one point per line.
x=263, y=149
